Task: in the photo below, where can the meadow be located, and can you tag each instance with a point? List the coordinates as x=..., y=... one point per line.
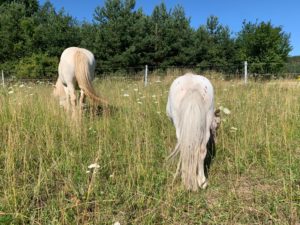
x=254, y=177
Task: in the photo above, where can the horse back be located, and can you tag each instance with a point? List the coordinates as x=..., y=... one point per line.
x=191, y=82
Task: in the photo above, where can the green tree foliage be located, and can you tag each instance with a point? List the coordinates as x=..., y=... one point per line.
x=53, y=32
x=119, y=36
x=11, y=38
x=171, y=37
x=214, y=47
x=33, y=36
x=31, y=6
x=264, y=46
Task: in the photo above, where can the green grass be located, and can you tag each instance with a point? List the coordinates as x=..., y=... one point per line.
x=44, y=158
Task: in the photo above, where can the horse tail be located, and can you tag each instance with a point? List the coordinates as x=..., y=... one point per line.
x=83, y=77
x=192, y=128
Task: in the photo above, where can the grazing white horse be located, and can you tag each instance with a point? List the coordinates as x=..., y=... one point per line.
x=191, y=108
x=76, y=68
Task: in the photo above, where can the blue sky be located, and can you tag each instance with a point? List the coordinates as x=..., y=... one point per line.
x=230, y=12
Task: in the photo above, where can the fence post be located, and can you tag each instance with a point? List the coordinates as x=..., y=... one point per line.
x=245, y=71
x=2, y=78
x=146, y=75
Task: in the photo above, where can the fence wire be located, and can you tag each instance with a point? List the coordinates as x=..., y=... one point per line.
x=228, y=71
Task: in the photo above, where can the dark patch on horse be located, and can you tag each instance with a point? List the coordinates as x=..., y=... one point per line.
x=210, y=155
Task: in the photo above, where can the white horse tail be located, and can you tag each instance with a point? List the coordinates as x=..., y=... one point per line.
x=83, y=77
x=192, y=128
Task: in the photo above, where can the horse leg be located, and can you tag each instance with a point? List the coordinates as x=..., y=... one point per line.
x=82, y=97
x=202, y=181
x=72, y=98
x=81, y=101
x=67, y=100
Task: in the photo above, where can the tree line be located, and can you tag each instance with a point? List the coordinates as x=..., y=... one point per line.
x=33, y=36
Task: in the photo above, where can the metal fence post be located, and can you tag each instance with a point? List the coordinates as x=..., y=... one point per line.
x=146, y=75
x=2, y=78
x=245, y=71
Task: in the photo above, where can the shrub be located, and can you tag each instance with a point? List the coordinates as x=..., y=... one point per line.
x=37, y=66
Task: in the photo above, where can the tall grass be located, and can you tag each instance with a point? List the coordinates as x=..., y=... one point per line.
x=44, y=158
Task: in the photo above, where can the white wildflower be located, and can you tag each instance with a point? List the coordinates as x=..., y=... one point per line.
x=135, y=89
x=233, y=129
x=11, y=92
x=22, y=85
x=87, y=171
x=226, y=111
x=153, y=96
x=117, y=223
x=139, y=102
x=126, y=95
x=93, y=166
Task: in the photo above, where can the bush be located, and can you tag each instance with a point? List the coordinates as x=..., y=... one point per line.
x=37, y=66
x=8, y=68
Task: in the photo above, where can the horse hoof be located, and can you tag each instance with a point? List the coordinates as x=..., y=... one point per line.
x=204, y=185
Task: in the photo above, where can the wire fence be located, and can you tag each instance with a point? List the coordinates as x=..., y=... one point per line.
x=228, y=71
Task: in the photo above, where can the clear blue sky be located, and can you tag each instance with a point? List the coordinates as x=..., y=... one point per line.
x=230, y=12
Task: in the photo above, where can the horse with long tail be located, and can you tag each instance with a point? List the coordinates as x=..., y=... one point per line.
x=76, y=69
x=191, y=108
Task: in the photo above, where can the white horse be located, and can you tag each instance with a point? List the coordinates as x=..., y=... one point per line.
x=191, y=108
x=76, y=68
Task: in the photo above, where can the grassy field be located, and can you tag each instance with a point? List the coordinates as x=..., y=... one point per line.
x=44, y=157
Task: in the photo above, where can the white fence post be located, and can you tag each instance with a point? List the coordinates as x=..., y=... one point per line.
x=245, y=71
x=2, y=78
x=146, y=75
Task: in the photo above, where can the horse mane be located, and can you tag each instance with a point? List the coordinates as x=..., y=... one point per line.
x=192, y=128
x=82, y=74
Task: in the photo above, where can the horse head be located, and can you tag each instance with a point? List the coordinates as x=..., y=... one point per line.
x=216, y=123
